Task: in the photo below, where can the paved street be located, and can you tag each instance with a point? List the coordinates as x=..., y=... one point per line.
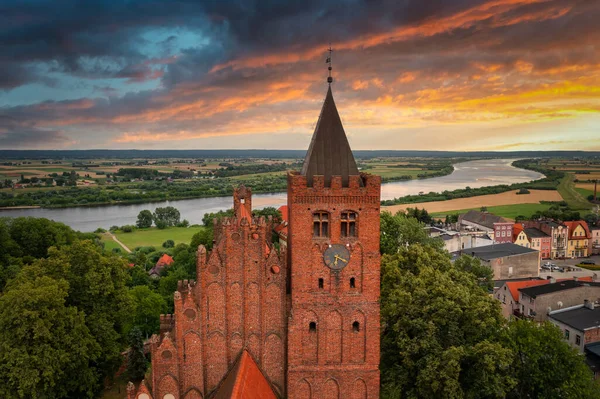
x=570, y=262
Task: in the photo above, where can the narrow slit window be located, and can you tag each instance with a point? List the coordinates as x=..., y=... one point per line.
x=348, y=224
x=352, y=282
x=356, y=326
x=321, y=283
x=320, y=224
x=312, y=327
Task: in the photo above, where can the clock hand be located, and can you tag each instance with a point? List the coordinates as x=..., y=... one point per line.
x=339, y=258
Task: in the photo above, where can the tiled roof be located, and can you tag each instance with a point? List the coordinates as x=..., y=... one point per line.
x=165, y=260
x=329, y=153
x=514, y=286
x=573, y=225
x=532, y=232
x=244, y=381
x=517, y=229
x=483, y=218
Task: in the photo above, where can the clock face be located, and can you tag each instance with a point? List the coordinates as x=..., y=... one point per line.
x=336, y=257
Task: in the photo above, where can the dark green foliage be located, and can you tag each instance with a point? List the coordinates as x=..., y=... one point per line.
x=168, y=244
x=204, y=237
x=523, y=191
x=136, y=360
x=46, y=348
x=144, y=219
x=147, y=306
x=207, y=219
x=35, y=235
x=166, y=217
x=127, y=228
x=266, y=212
x=484, y=274
x=545, y=366
x=420, y=214
x=399, y=230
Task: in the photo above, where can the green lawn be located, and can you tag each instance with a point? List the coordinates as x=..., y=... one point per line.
x=155, y=237
x=507, y=211
x=109, y=243
x=584, y=192
x=567, y=189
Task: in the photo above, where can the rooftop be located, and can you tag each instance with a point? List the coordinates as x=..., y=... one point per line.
x=489, y=252
x=329, y=153
x=554, y=287
x=532, y=232
x=483, y=218
x=514, y=286
x=581, y=318
x=244, y=380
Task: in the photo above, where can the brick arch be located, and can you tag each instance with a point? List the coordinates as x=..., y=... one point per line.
x=358, y=338
x=236, y=345
x=252, y=305
x=216, y=356
x=334, y=337
x=192, y=348
x=303, y=389
x=359, y=389
x=234, y=308
x=193, y=393
x=253, y=345
x=273, y=359
x=168, y=384
x=273, y=313
x=310, y=339
x=331, y=389
x=215, y=307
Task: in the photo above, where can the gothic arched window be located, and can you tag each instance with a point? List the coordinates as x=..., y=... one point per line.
x=321, y=224
x=349, y=224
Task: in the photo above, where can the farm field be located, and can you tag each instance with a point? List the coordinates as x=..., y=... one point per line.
x=506, y=211
x=155, y=237
x=492, y=200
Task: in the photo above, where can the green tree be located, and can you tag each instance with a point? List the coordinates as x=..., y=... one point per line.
x=207, y=219
x=440, y=330
x=483, y=273
x=147, y=308
x=35, y=235
x=545, y=366
x=136, y=360
x=168, y=244
x=204, y=236
x=166, y=217
x=46, y=349
x=400, y=231
x=144, y=219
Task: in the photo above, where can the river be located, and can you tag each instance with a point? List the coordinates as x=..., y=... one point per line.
x=473, y=174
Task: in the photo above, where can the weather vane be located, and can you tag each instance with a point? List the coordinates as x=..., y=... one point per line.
x=328, y=61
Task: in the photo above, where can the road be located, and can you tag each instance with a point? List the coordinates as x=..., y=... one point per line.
x=570, y=262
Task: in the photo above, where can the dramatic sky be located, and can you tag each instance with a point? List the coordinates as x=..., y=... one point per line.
x=202, y=74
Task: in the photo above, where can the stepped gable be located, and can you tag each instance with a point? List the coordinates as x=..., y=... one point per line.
x=237, y=304
x=329, y=153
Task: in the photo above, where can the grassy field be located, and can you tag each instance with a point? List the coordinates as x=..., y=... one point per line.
x=155, y=237
x=109, y=243
x=506, y=211
x=576, y=201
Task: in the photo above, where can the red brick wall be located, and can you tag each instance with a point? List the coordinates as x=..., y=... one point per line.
x=335, y=361
x=239, y=301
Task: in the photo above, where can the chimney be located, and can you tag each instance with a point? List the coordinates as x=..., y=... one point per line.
x=588, y=304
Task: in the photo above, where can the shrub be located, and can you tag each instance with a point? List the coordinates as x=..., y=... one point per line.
x=100, y=230
x=183, y=223
x=127, y=228
x=168, y=244
x=523, y=191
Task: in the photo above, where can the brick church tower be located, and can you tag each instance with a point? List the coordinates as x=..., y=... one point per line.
x=299, y=323
x=333, y=253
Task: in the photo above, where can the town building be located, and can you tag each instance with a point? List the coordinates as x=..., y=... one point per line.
x=508, y=294
x=497, y=227
x=558, y=232
x=164, y=261
x=520, y=236
x=592, y=358
x=300, y=323
x=579, y=239
x=595, y=240
x=580, y=324
x=536, y=302
x=508, y=260
x=540, y=241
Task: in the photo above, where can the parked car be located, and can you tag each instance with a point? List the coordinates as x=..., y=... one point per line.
x=546, y=267
x=587, y=262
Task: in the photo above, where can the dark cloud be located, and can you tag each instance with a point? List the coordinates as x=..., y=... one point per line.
x=14, y=135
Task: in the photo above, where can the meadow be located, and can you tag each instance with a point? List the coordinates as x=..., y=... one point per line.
x=156, y=237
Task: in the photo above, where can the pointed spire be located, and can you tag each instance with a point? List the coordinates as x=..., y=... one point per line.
x=329, y=153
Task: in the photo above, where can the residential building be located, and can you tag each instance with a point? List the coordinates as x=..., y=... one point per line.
x=520, y=237
x=540, y=241
x=165, y=261
x=592, y=358
x=497, y=227
x=580, y=324
x=557, y=231
x=251, y=327
x=579, y=239
x=537, y=301
x=508, y=260
x=595, y=240
x=508, y=294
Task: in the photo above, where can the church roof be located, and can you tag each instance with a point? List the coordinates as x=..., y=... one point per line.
x=329, y=153
x=244, y=381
